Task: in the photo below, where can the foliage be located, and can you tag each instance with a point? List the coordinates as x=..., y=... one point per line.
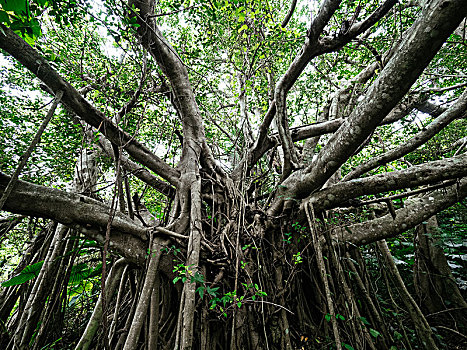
x=28, y=273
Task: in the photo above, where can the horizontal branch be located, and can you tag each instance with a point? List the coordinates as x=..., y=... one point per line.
x=396, y=114
x=443, y=89
x=38, y=65
x=407, y=194
x=414, y=213
x=424, y=174
x=79, y=212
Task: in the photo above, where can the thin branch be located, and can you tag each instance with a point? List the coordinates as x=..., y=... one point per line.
x=270, y=303
x=32, y=146
x=170, y=233
x=407, y=194
x=289, y=14
x=174, y=12
x=452, y=330
x=447, y=88
x=132, y=102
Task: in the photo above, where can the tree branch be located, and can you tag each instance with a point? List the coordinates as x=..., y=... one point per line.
x=325, y=13
x=32, y=146
x=311, y=48
x=173, y=68
x=82, y=213
x=424, y=174
x=34, y=62
x=330, y=44
x=289, y=14
x=392, y=84
x=457, y=110
x=414, y=213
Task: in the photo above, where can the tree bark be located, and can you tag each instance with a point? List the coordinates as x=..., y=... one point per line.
x=93, y=324
x=434, y=283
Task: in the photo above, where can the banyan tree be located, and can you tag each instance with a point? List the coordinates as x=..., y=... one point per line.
x=231, y=174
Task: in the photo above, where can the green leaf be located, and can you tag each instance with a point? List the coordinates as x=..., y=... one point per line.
x=19, y=279
x=89, y=243
x=239, y=304
x=327, y=317
x=212, y=291
x=28, y=273
x=79, y=273
x=198, y=277
x=347, y=346
x=200, y=291
x=397, y=335
x=36, y=28
x=374, y=333
x=4, y=18
x=17, y=6
x=242, y=28
x=364, y=320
